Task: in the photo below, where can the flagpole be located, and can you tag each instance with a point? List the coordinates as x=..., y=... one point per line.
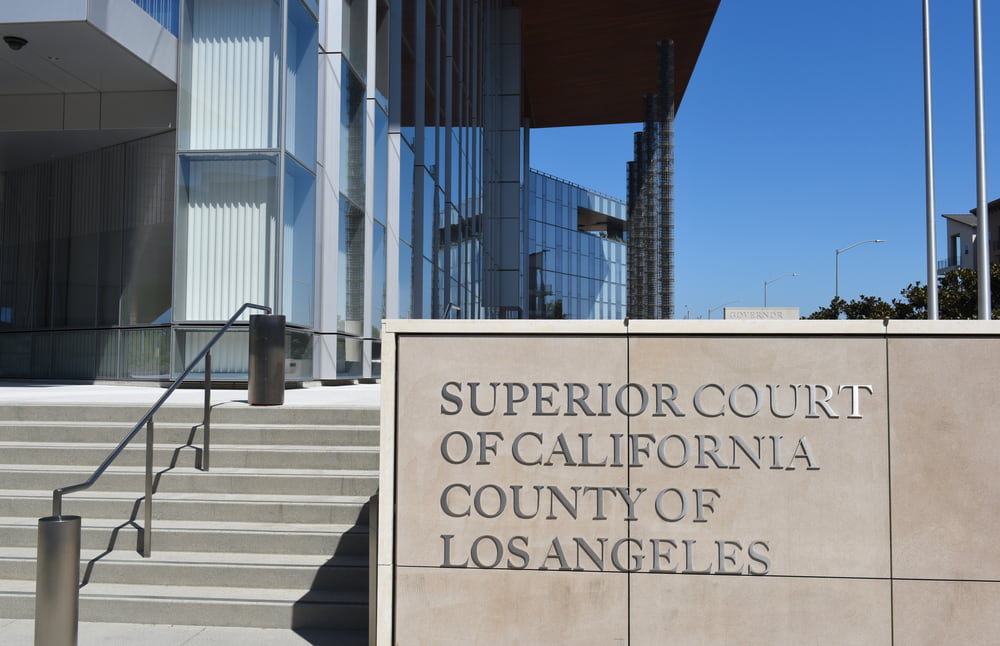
x=982, y=209
x=932, y=286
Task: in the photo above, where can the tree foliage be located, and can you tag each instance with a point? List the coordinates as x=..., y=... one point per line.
x=958, y=298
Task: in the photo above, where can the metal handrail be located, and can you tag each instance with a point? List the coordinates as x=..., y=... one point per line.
x=147, y=421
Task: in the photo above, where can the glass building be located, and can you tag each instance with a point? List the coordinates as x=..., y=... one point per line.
x=577, y=251
x=341, y=161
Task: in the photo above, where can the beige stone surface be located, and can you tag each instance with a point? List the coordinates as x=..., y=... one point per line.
x=825, y=521
x=945, y=432
x=425, y=365
x=439, y=607
x=946, y=612
x=716, y=610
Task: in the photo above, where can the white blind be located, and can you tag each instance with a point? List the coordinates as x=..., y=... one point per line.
x=229, y=237
x=233, y=74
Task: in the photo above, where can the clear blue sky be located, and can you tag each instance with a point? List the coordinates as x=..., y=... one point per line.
x=801, y=132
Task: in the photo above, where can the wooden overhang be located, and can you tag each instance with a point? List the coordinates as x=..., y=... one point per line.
x=589, y=62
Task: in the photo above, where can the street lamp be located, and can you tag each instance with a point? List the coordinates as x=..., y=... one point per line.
x=718, y=306
x=836, y=274
x=768, y=282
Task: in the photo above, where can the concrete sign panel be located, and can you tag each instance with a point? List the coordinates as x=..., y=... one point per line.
x=592, y=483
x=761, y=313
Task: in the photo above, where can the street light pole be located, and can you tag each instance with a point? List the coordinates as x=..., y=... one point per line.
x=768, y=282
x=836, y=270
x=712, y=309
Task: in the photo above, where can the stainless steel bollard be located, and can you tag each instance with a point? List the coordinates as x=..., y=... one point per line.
x=57, y=581
x=373, y=569
x=266, y=378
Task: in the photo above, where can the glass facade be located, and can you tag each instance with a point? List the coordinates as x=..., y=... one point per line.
x=85, y=252
x=341, y=161
x=247, y=165
x=577, y=251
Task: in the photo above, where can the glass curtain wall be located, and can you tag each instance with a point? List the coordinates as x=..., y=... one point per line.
x=577, y=254
x=410, y=80
x=246, y=171
x=441, y=144
x=85, y=252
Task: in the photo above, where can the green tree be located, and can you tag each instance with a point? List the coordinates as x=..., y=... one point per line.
x=958, y=298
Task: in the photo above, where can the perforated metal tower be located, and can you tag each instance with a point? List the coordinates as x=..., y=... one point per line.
x=651, y=202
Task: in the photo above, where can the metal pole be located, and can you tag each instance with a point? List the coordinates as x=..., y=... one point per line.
x=768, y=282
x=372, y=569
x=207, y=417
x=836, y=274
x=57, y=581
x=147, y=529
x=982, y=209
x=932, y=286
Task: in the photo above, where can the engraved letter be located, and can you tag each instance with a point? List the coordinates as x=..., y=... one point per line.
x=670, y=401
x=452, y=397
x=447, y=455
x=855, y=408
x=697, y=401
x=444, y=500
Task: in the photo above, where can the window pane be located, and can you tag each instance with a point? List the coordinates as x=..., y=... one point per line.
x=227, y=211
x=354, y=34
x=351, y=267
x=301, y=90
x=352, y=138
x=229, y=75
x=299, y=243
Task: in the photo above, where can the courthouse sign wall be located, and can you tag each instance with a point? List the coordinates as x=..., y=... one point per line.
x=697, y=482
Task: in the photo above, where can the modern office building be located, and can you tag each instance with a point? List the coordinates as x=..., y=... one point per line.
x=341, y=161
x=577, y=251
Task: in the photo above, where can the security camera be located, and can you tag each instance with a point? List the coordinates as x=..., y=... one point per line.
x=15, y=42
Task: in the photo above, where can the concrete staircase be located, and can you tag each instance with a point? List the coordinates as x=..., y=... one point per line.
x=274, y=536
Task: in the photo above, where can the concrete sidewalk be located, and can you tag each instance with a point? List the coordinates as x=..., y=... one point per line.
x=20, y=632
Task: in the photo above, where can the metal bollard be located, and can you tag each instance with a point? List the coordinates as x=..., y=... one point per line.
x=266, y=378
x=373, y=569
x=57, y=581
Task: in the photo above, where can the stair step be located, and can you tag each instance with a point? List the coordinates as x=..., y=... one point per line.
x=91, y=633
x=222, y=455
x=293, y=571
x=204, y=536
x=225, y=413
x=110, y=433
x=275, y=535
x=204, y=605
x=271, y=508
x=345, y=482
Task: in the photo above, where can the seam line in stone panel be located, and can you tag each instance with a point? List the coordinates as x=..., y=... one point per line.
x=888, y=453
x=707, y=575
x=395, y=491
x=628, y=484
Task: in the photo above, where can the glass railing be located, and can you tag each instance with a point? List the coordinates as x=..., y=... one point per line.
x=165, y=12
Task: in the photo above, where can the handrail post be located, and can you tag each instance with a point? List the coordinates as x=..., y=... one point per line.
x=147, y=531
x=207, y=418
